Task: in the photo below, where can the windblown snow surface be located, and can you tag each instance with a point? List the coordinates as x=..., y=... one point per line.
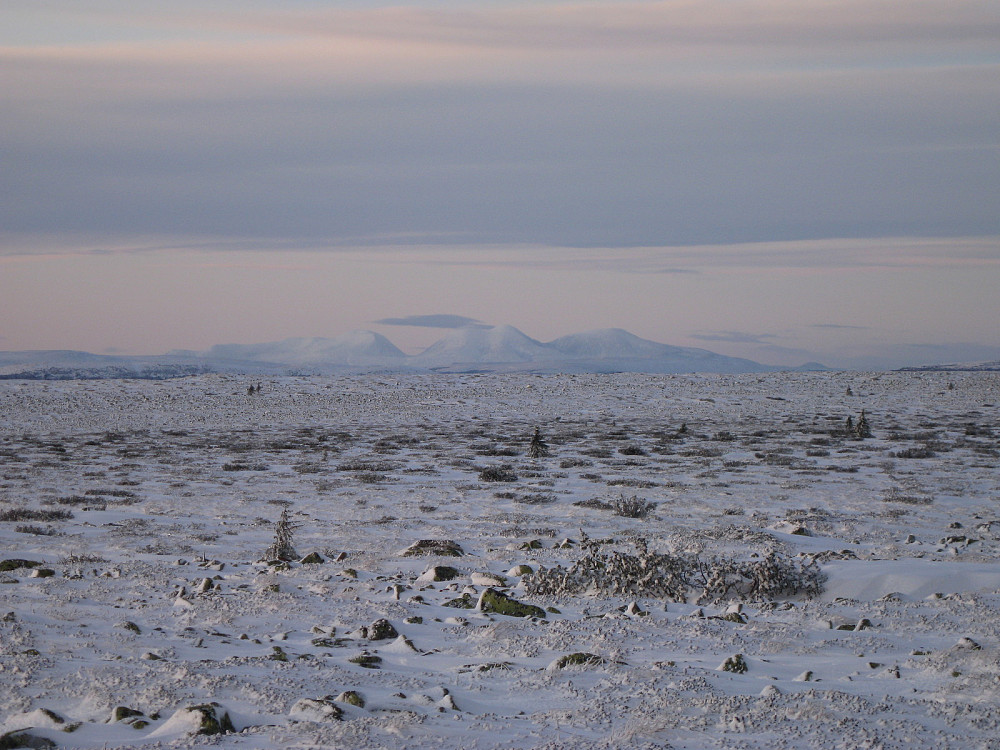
x=153, y=504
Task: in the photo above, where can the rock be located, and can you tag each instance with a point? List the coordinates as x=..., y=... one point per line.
x=202, y=719
x=770, y=691
x=17, y=563
x=488, y=579
x=967, y=644
x=23, y=738
x=806, y=676
x=735, y=664
x=465, y=601
x=313, y=558
x=42, y=573
x=205, y=584
x=520, y=570
x=316, y=709
x=366, y=660
x=437, y=573
x=492, y=600
x=442, y=547
x=352, y=698
x=122, y=713
x=381, y=630
x=130, y=626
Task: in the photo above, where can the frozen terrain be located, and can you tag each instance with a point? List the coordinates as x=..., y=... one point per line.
x=141, y=604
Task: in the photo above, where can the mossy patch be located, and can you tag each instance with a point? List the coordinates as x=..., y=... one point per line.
x=492, y=600
x=581, y=659
x=17, y=564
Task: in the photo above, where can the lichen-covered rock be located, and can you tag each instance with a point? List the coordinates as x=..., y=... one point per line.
x=437, y=573
x=366, y=660
x=202, y=719
x=492, y=600
x=351, y=697
x=313, y=558
x=442, y=547
x=520, y=570
x=465, y=601
x=488, y=579
x=122, y=713
x=23, y=738
x=316, y=709
x=16, y=563
x=381, y=630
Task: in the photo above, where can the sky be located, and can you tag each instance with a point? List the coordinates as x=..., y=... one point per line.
x=784, y=180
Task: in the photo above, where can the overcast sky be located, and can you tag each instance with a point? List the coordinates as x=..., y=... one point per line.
x=786, y=180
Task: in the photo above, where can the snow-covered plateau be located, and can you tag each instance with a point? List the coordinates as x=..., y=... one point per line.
x=501, y=561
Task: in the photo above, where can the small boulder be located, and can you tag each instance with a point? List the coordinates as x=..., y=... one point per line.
x=437, y=573
x=381, y=630
x=316, y=709
x=351, y=697
x=492, y=600
x=441, y=547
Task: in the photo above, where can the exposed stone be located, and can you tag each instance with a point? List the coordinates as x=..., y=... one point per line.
x=437, y=573
x=313, y=558
x=492, y=600
x=351, y=697
x=122, y=713
x=24, y=738
x=381, y=630
x=442, y=547
x=316, y=709
x=17, y=563
x=366, y=660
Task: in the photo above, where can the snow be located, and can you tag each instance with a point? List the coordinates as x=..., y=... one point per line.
x=172, y=483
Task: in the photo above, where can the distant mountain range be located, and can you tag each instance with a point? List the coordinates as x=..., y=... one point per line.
x=472, y=348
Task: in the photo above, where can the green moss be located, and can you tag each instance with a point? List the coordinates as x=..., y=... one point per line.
x=368, y=661
x=498, y=602
x=579, y=659
x=124, y=712
x=465, y=601
x=211, y=723
x=352, y=697
x=16, y=564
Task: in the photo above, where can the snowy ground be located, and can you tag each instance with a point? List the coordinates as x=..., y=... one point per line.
x=167, y=485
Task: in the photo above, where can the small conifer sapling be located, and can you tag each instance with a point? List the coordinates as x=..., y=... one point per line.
x=282, y=547
x=538, y=448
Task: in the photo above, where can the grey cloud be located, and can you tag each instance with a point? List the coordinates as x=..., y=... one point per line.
x=246, y=142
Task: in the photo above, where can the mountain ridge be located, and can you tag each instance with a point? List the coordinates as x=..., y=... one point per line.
x=471, y=348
